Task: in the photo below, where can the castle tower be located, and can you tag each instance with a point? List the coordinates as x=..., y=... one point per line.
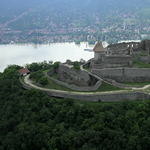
x=98, y=50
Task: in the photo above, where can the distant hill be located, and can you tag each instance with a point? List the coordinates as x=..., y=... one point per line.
x=43, y=21
x=62, y=9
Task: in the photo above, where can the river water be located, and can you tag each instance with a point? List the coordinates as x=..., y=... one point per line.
x=21, y=54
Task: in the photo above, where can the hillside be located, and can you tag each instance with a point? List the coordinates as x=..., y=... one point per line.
x=32, y=120
x=100, y=19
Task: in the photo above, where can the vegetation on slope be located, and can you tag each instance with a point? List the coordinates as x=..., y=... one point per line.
x=31, y=120
x=71, y=10
x=139, y=64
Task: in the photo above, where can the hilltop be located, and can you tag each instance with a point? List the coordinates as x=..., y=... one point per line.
x=32, y=120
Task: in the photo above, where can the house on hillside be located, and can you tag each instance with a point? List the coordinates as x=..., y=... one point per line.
x=24, y=71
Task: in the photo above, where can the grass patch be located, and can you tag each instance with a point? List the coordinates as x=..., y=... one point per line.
x=139, y=84
x=106, y=87
x=22, y=79
x=54, y=75
x=44, y=71
x=53, y=85
x=143, y=53
x=103, y=88
x=139, y=64
x=88, y=69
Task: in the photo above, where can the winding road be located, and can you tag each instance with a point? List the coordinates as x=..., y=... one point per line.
x=29, y=82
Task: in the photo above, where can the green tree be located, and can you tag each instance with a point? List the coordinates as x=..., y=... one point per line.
x=76, y=65
x=43, y=80
x=56, y=65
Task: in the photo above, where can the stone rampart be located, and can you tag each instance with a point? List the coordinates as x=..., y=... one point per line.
x=145, y=59
x=124, y=74
x=96, y=97
x=104, y=97
x=113, y=61
x=124, y=45
x=117, y=59
x=77, y=88
x=24, y=85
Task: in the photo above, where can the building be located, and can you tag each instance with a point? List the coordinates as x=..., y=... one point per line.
x=99, y=51
x=24, y=71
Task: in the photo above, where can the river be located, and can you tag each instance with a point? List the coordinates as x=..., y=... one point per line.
x=21, y=54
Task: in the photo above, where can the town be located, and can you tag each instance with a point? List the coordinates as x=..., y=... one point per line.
x=124, y=26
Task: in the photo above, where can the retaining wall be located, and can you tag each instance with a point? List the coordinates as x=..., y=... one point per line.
x=95, y=97
x=113, y=61
x=77, y=88
x=117, y=59
x=125, y=74
x=145, y=59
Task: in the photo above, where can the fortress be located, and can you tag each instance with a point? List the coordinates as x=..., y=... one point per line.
x=120, y=55
x=115, y=61
x=112, y=65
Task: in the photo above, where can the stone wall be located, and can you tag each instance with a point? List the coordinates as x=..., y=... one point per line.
x=122, y=60
x=67, y=74
x=136, y=46
x=77, y=88
x=145, y=59
x=113, y=61
x=24, y=85
x=118, y=61
x=104, y=97
x=125, y=74
x=116, y=47
x=145, y=45
x=97, y=97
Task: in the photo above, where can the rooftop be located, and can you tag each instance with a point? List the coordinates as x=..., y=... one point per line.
x=23, y=71
x=98, y=47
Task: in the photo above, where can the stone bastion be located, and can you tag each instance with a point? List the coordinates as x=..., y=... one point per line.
x=124, y=74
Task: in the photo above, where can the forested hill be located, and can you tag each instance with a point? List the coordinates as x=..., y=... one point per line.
x=30, y=120
x=43, y=8
x=49, y=21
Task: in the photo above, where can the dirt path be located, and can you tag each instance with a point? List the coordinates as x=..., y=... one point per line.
x=29, y=82
x=142, y=88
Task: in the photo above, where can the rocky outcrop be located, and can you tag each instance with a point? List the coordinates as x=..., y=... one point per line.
x=67, y=74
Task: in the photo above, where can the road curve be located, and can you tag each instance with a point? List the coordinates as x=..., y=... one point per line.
x=29, y=82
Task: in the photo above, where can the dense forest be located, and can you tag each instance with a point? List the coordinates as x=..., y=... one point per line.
x=32, y=120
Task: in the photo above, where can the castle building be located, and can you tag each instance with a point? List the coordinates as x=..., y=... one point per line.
x=99, y=51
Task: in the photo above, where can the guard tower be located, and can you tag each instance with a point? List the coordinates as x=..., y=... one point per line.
x=99, y=51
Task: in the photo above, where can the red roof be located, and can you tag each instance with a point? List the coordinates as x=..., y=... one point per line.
x=23, y=71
